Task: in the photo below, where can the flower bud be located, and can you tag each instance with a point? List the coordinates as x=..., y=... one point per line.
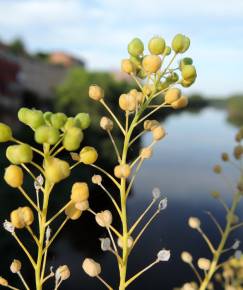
x=3, y=282
x=97, y=179
x=225, y=156
x=156, y=45
x=72, y=212
x=187, y=84
x=147, y=90
x=15, y=266
x=127, y=102
x=151, y=63
x=150, y=125
x=185, y=61
x=22, y=217
x=182, y=102
x=127, y=66
x=180, y=43
x=122, y=171
x=14, y=176
x=215, y=194
x=204, y=264
x=84, y=120
x=33, y=118
x=88, y=155
x=129, y=242
x=5, y=133
x=18, y=154
x=238, y=151
x=58, y=120
x=172, y=95
x=62, y=273
x=72, y=138
x=189, y=73
x=71, y=122
x=158, y=133
x=91, y=268
x=186, y=257
x=106, y=124
x=80, y=192
x=146, y=153
x=104, y=218
x=96, y=92
x=56, y=169
x=217, y=169
x=83, y=205
x=194, y=223
x=135, y=47
x=47, y=134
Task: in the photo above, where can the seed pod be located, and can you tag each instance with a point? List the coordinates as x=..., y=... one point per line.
x=238, y=137
x=88, y=155
x=80, y=192
x=146, y=153
x=18, y=154
x=14, y=176
x=139, y=98
x=181, y=103
x=104, y=218
x=58, y=120
x=47, y=117
x=151, y=63
x=5, y=133
x=71, y=122
x=72, y=212
x=91, y=268
x=167, y=50
x=203, y=264
x=127, y=102
x=156, y=45
x=84, y=120
x=189, y=73
x=96, y=92
x=56, y=169
x=3, y=282
x=180, y=43
x=186, y=257
x=136, y=60
x=62, y=273
x=225, y=156
x=185, y=61
x=129, y=242
x=172, y=95
x=238, y=151
x=83, y=205
x=122, y=171
x=32, y=118
x=97, y=179
x=15, y=266
x=147, y=90
x=47, y=134
x=22, y=217
x=135, y=47
x=215, y=194
x=127, y=66
x=72, y=138
x=187, y=43
x=194, y=223
x=106, y=124
x=149, y=125
x=158, y=133
x=217, y=169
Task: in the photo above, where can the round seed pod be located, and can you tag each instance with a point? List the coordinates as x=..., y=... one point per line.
x=129, y=242
x=91, y=268
x=122, y=171
x=15, y=266
x=22, y=217
x=14, y=176
x=215, y=194
x=146, y=153
x=167, y=50
x=180, y=43
x=47, y=134
x=5, y=133
x=84, y=120
x=186, y=257
x=18, y=154
x=72, y=138
x=204, y=264
x=172, y=95
x=194, y=223
x=127, y=66
x=47, y=117
x=238, y=151
x=56, y=169
x=72, y=212
x=158, y=133
x=3, y=281
x=185, y=61
x=104, y=218
x=80, y=192
x=135, y=47
x=96, y=92
x=238, y=137
x=71, y=122
x=127, y=102
x=181, y=103
x=137, y=61
x=58, y=120
x=149, y=125
x=217, y=169
x=23, y=115
x=187, y=43
x=32, y=118
x=83, y=205
x=63, y=272
x=88, y=155
x=189, y=73
x=151, y=63
x=225, y=157
x=106, y=124
x=97, y=179
x=156, y=45
x=139, y=98
x=27, y=215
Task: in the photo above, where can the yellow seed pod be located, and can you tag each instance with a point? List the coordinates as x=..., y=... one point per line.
x=80, y=192
x=225, y=156
x=172, y=95
x=72, y=212
x=97, y=179
x=140, y=98
x=27, y=215
x=158, y=133
x=186, y=257
x=238, y=137
x=96, y=92
x=88, y=155
x=217, y=169
x=127, y=66
x=120, y=242
x=146, y=153
x=133, y=92
x=127, y=102
x=238, y=151
x=106, y=124
x=14, y=176
x=151, y=63
x=149, y=125
x=56, y=169
x=203, y=264
x=63, y=272
x=104, y=218
x=3, y=282
x=83, y=205
x=91, y=268
x=182, y=102
x=22, y=217
x=15, y=266
x=122, y=171
x=194, y=223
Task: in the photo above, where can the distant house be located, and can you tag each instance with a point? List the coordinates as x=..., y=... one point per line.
x=64, y=59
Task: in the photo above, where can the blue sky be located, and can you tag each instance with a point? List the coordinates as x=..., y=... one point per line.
x=99, y=31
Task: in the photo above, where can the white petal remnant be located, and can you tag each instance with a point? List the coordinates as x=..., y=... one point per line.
x=156, y=193
x=163, y=204
x=62, y=273
x=105, y=244
x=238, y=254
x=48, y=234
x=91, y=268
x=38, y=182
x=163, y=255
x=236, y=245
x=8, y=226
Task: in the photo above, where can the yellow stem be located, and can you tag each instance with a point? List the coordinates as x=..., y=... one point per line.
x=33, y=235
x=57, y=214
x=208, y=242
x=134, y=176
x=137, y=137
x=38, y=167
x=28, y=198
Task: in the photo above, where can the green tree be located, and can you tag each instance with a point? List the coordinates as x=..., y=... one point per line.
x=17, y=47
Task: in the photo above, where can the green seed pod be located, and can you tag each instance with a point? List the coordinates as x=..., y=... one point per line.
x=56, y=170
x=173, y=78
x=156, y=45
x=141, y=74
x=35, y=119
x=5, y=133
x=72, y=139
x=162, y=85
x=167, y=50
x=185, y=61
x=186, y=84
x=151, y=63
x=23, y=114
x=137, y=61
x=180, y=43
x=47, y=117
x=84, y=120
x=58, y=120
x=18, y=154
x=46, y=134
x=135, y=47
x=71, y=122
x=189, y=73
x=88, y=155
x=187, y=43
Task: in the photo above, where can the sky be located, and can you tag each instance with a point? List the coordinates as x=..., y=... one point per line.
x=99, y=31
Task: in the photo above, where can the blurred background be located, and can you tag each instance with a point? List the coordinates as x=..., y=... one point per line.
x=51, y=51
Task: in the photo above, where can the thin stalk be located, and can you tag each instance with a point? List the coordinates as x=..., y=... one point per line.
x=107, y=174
x=23, y=281
x=57, y=214
x=115, y=146
x=208, y=242
x=28, y=198
x=104, y=282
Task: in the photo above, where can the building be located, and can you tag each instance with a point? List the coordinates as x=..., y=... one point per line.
x=64, y=59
